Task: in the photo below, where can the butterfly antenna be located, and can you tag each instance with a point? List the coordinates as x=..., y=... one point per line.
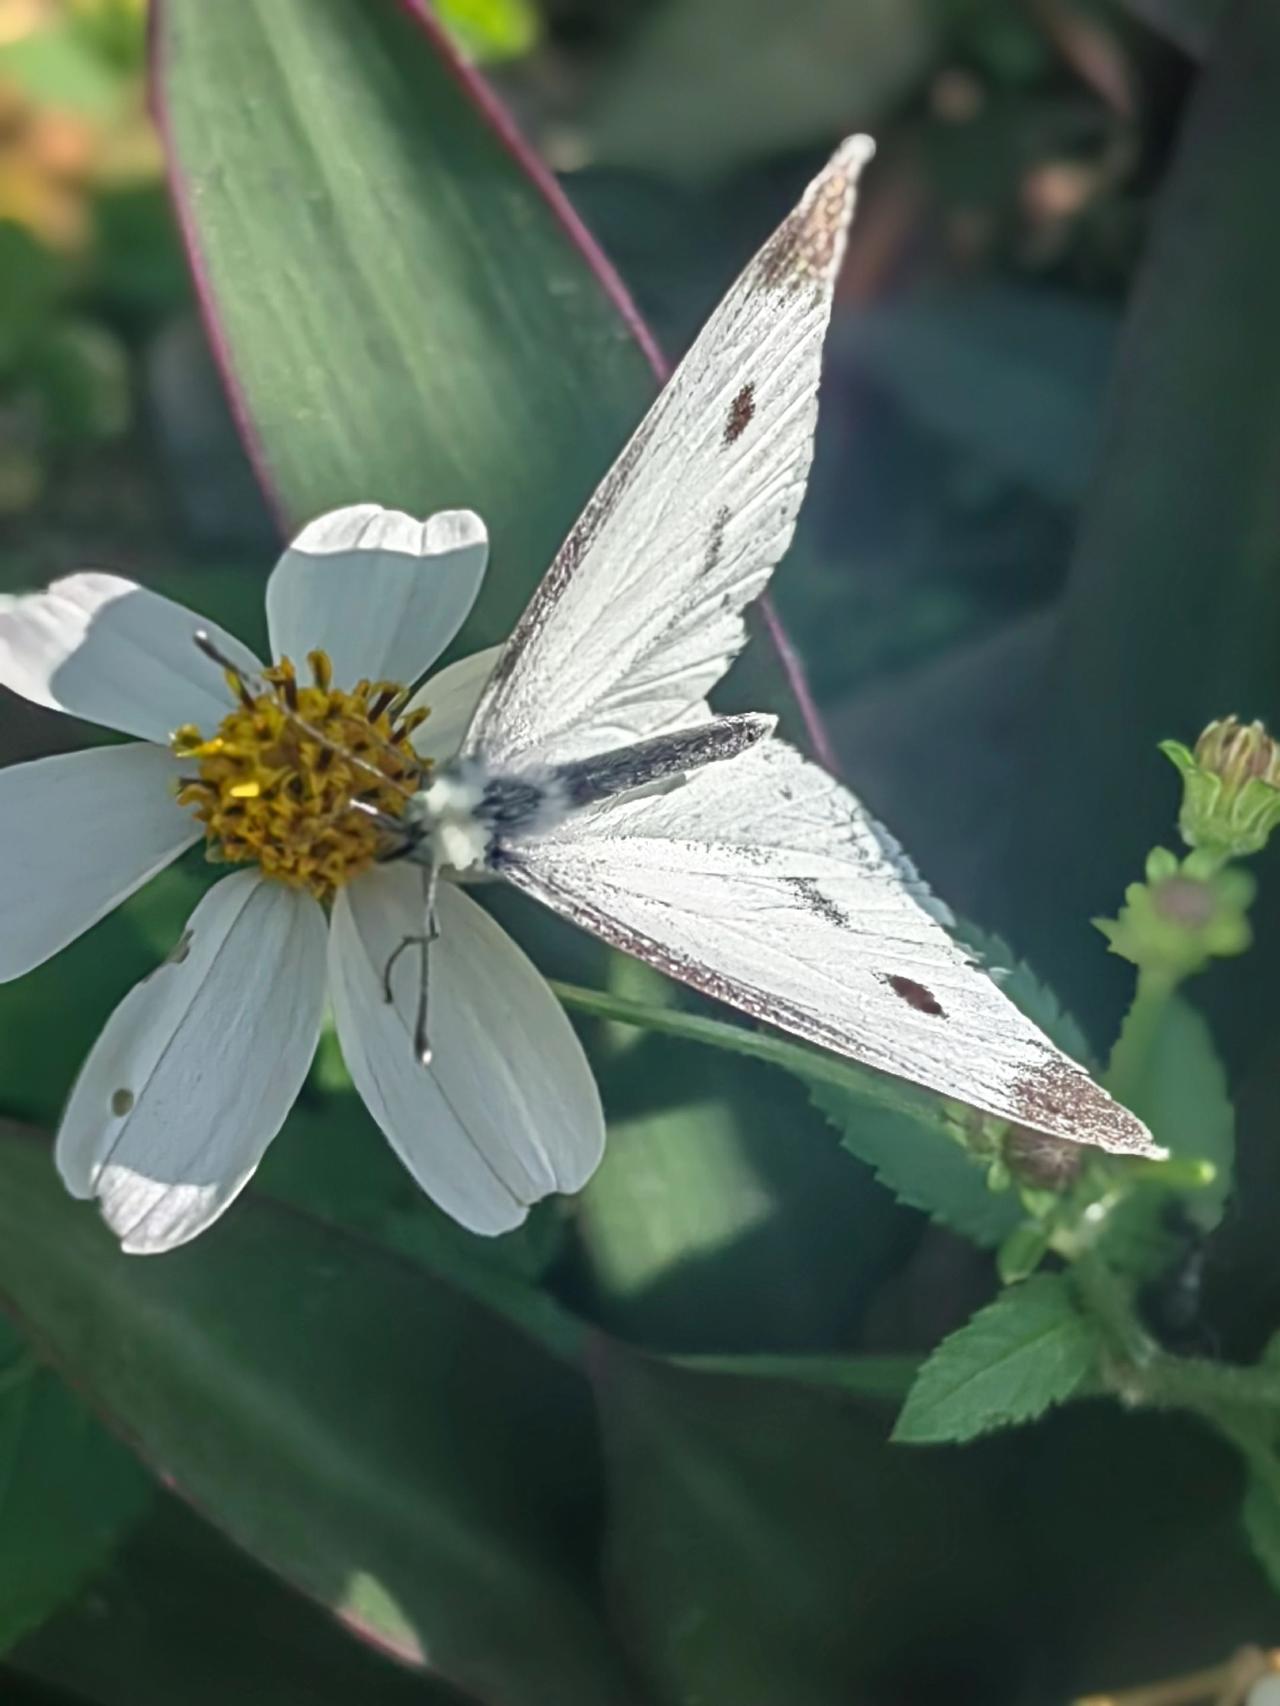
x=251, y=685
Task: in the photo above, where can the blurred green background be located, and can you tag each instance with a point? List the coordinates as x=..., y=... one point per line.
x=1043, y=531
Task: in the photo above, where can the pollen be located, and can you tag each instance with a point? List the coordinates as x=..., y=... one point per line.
x=290, y=775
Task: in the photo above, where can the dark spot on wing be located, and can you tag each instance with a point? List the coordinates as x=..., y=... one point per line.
x=914, y=994
x=715, y=542
x=741, y=410
x=815, y=901
x=121, y=1103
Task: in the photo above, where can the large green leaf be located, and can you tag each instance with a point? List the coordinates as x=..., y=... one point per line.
x=405, y=307
x=401, y=1455
x=68, y=1491
x=400, y=306
x=177, y=1589
x=925, y=1169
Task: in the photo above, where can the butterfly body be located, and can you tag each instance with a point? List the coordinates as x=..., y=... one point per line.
x=470, y=818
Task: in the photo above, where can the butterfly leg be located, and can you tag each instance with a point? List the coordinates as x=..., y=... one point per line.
x=421, y=940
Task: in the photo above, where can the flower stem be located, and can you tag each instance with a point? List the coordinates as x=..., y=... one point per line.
x=1130, y=1059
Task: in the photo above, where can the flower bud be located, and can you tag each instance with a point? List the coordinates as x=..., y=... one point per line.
x=1230, y=788
x=1044, y=1163
x=1187, y=913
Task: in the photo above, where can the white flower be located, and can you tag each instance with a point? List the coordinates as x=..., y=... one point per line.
x=200, y=1063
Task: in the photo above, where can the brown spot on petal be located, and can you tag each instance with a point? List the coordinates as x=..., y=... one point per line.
x=915, y=995
x=122, y=1102
x=741, y=412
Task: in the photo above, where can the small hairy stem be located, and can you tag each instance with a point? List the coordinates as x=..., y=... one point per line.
x=1109, y=1299
x=1132, y=1053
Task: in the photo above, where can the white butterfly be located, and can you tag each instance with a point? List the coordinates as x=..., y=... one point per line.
x=595, y=777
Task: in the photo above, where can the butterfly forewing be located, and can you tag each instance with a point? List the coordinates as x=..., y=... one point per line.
x=641, y=611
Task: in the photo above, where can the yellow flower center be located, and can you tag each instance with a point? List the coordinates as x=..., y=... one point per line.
x=276, y=782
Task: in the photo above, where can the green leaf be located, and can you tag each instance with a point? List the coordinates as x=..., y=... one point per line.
x=380, y=1440
x=1028, y=1350
x=177, y=1588
x=418, y=320
x=68, y=1491
x=422, y=320
x=926, y=1169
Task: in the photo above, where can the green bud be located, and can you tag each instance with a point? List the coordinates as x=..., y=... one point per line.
x=1230, y=788
x=1185, y=914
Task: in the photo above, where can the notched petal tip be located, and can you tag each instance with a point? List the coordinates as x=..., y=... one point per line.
x=453, y=530
x=371, y=527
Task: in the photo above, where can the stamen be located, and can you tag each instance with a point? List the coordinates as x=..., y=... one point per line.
x=308, y=781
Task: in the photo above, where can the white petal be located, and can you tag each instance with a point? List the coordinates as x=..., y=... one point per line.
x=198, y=1066
x=104, y=649
x=381, y=592
x=81, y=831
x=452, y=696
x=508, y=1110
